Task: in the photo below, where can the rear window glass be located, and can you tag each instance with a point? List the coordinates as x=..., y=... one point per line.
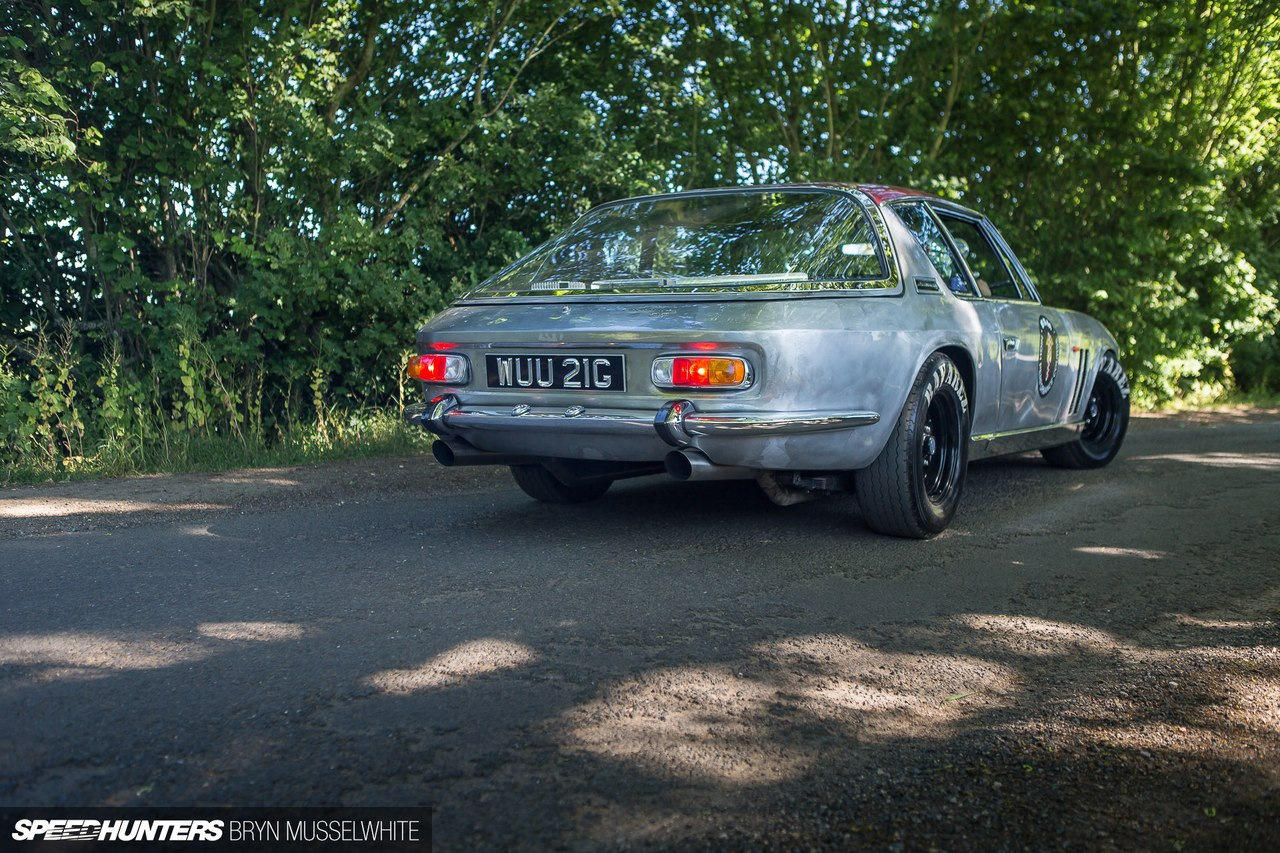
x=733, y=241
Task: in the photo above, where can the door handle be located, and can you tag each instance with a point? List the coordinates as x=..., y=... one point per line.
x=1010, y=344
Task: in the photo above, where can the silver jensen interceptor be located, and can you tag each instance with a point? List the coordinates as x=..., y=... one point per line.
x=815, y=338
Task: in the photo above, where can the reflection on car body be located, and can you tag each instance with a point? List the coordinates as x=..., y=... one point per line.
x=814, y=337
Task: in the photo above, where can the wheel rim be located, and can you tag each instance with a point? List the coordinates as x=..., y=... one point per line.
x=1102, y=419
x=939, y=449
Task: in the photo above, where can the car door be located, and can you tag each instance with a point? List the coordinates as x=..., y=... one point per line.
x=1035, y=345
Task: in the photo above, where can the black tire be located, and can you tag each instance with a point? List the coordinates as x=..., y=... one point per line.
x=541, y=485
x=1105, y=424
x=913, y=487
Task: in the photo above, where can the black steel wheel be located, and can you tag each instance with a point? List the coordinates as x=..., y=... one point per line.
x=541, y=485
x=1106, y=420
x=913, y=487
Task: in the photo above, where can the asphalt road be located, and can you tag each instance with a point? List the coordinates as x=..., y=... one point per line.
x=1085, y=659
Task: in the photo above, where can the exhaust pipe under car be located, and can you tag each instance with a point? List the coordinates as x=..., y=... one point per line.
x=692, y=465
x=454, y=455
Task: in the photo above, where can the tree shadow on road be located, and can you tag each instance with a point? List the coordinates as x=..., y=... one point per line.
x=688, y=666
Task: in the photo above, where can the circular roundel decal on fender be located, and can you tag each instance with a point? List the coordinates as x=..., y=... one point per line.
x=1048, y=356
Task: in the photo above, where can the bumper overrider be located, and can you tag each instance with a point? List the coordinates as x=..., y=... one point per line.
x=678, y=424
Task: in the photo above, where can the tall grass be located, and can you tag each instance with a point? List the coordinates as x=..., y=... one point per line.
x=64, y=415
x=171, y=448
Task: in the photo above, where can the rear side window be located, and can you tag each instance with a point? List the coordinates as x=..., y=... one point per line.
x=925, y=229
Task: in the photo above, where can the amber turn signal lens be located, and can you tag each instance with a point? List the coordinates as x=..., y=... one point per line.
x=433, y=367
x=686, y=371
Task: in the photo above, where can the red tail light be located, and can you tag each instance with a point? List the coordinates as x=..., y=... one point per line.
x=434, y=367
x=689, y=371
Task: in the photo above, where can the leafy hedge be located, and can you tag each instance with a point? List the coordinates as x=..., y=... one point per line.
x=228, y=219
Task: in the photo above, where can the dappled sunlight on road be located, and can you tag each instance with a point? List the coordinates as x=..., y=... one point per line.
x=764, y=720
x=455, y=666
x=258, y=477
x=1031, y=635
x=77, y=655
x=750, y=725
x=701, y=722
x=1257, y=461
x=127, y=501
x=61, y=507
x=1197, y=700
x=1217, y=624
x=1261, y=697
x=71, y=655
x=844, y=679
x=1140, y=553
x=258, y=632
x=1051, y=691
x=1173, y=689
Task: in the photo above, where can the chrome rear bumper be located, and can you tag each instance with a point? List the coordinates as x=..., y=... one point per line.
x=677, y=422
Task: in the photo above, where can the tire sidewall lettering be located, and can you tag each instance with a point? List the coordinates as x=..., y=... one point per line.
x=945, y=374
x=1111, y=367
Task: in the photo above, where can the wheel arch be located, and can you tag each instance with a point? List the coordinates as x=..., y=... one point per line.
x=1096, y=370
x=964, y=363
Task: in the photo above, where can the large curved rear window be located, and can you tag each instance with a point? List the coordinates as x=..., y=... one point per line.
x=774, y=240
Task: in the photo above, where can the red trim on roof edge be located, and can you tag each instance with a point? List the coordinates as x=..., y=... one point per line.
x=880, y=193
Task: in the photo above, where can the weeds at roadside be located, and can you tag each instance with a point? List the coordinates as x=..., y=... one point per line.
x=359, y=434
x=66, y=415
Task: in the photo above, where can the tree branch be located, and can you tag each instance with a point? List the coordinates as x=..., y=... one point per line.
x=17, y=347
x=544, y=41
x=359, y=73
x=46, y=292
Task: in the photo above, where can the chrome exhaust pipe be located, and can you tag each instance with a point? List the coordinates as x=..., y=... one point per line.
x=456, y=454
x=693, y=465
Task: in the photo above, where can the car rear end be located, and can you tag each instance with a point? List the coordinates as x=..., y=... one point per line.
x=719, y=368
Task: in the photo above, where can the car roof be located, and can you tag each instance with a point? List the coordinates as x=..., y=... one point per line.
x=878, y=193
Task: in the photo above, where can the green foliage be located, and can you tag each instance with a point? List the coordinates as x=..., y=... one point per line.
x=1127, y=147
x=17, y=413
x=231, y=217
x=33, y=114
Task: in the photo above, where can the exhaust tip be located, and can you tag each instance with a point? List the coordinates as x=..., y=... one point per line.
x=443, y=453
x=678, y=465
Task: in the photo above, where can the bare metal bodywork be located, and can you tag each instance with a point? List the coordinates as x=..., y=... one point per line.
x=831, y=367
